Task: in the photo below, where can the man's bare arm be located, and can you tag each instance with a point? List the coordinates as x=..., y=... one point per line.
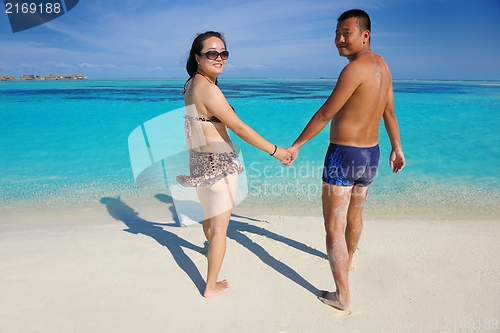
x=348, y=82
x=396, y=159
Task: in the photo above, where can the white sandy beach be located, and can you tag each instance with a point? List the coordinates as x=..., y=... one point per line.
x=124, y=267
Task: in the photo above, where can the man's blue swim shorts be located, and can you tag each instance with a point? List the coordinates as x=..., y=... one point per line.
x=348, y=166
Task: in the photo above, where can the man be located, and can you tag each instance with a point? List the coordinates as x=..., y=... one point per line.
x=362, y=96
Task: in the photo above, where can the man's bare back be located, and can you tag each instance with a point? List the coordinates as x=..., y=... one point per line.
x=357, y=122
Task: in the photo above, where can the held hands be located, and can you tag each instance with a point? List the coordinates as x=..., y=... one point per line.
x=397, y=160
x=294, y=153
x=282, y=155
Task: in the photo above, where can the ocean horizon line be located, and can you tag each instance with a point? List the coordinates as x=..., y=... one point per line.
x=255, y=78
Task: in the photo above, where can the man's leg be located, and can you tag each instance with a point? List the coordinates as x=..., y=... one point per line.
x=335, y=209
x=355, y=219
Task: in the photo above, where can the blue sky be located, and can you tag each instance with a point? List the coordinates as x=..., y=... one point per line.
x=420, y=39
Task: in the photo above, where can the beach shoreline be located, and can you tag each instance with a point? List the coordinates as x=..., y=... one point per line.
x=437, y=205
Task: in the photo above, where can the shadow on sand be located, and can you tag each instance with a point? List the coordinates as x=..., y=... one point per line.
x=236, y=231
x=136, y=225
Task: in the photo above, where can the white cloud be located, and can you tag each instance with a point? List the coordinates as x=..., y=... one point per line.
x=98, y=66
x=58, y=65
x=28, y=66
x=120, y=68
x=86, y=65
x=154, y=69
x=251, y=67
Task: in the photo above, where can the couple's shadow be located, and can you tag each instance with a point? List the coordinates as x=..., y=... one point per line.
x=236, y=231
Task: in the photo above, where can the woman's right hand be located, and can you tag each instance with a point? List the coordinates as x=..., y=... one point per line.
x=294, y=152
x=282, y=155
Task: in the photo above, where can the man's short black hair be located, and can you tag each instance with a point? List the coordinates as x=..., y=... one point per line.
x=362, y=17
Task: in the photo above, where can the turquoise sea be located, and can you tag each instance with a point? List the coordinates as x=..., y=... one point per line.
x=65, y=144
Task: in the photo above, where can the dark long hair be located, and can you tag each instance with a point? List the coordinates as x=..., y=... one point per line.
x=191, y=64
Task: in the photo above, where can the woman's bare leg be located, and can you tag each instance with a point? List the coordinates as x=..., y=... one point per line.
x=216, y=252
x=204, y=197
x=221, y=200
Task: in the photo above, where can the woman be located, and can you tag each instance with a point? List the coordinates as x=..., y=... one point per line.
x=214, y=166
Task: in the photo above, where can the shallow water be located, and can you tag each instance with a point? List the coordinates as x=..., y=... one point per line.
x=66, y=143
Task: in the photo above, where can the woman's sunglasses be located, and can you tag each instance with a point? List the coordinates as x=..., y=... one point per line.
x=212, y=55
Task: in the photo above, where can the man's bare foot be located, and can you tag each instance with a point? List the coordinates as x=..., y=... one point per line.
x=220, y=287
x=333, y=300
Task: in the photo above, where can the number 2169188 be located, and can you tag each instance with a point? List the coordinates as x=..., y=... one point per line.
x=32, y=8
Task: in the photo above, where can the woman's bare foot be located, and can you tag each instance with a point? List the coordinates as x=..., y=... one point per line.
x=333, y=300
x=220, y=287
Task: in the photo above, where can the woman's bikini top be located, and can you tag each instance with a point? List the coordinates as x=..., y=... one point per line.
x=187, y=123
x=212, y=119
